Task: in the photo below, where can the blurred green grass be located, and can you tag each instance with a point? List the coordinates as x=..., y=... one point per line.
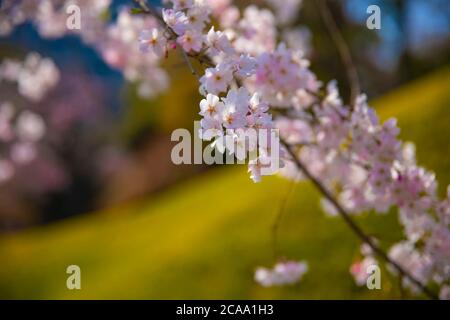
x=203, y=238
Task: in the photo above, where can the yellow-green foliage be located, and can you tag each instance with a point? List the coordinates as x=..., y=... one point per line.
x=203, y=238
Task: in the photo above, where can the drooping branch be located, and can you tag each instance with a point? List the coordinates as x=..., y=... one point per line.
x=353, y=225
x=353, y=79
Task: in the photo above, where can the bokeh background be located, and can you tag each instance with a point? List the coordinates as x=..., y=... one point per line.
x=107, y=197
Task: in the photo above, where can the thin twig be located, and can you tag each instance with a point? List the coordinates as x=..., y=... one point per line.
x=189, y=64
x=343, y=50
x=352, y=224
x=278, y=218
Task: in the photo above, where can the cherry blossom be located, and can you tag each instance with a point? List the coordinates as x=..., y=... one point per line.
x=218, y=42
x=176, y=20
x=154, y=41
x=283, y=273
x=217, y=80
x=190, y=41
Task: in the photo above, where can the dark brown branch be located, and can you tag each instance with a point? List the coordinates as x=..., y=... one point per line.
x=353, y=226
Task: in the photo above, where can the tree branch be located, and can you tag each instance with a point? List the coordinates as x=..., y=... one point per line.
x=352, y=224
x=189, y=64
x=353, y=79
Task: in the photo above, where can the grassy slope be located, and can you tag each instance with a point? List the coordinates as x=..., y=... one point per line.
x=204, y=237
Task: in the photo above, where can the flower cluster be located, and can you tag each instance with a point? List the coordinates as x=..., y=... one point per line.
x=368, y=168
x=119, y=48
x=233, y=116
x=116, y=41
x=356, y=157
x=405, y=254
x=283, y=273
x=186, y=22
x=283, y=78
x=255, y=32
x=50, y=16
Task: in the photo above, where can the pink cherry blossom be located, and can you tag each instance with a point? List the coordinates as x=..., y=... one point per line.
x=217, y=80
x=190, y=41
